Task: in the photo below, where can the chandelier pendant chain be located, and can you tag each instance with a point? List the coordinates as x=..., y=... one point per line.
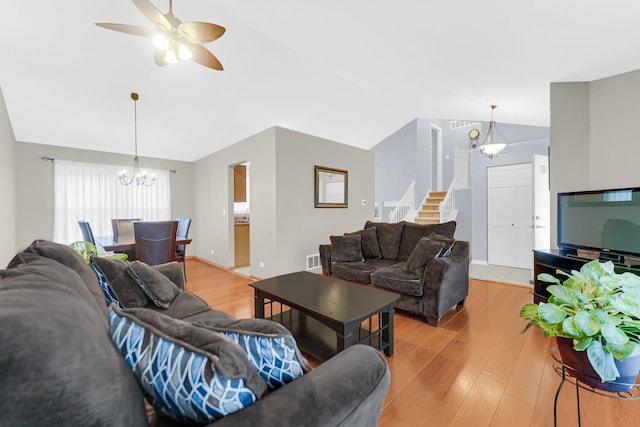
x=139, y=178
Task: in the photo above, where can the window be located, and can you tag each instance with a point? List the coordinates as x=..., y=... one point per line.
x=92, y=192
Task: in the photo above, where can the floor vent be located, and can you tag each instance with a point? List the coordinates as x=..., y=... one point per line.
x=313, y=261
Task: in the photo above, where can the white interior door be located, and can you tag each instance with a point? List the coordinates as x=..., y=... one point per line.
x=509, y=215
x=541, y=202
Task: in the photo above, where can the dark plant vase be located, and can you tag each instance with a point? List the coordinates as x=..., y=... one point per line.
x=579, y=367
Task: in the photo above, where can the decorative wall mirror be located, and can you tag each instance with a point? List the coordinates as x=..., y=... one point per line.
x=330, y=187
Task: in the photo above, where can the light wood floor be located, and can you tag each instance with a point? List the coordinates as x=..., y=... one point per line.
x=475, y=369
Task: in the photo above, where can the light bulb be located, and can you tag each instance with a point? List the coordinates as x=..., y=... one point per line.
x=170, y=57
x=184, y=52
x=161, y=42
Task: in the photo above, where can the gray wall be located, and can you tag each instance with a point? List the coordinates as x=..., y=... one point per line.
x=594, y=136
x=7, y=187
x=285, y=226
x=35, y=186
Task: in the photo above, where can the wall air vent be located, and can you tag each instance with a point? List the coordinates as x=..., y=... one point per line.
x=313, y=261
x=456, y=124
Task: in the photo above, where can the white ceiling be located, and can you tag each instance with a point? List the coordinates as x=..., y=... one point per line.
x=353, y=71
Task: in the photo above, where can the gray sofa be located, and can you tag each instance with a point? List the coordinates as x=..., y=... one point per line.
x=422, y=263
x=60, y=366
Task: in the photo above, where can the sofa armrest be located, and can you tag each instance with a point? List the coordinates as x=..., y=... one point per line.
x=173, y=271
x=346, y=390
x=446, y=280
x=325, y=259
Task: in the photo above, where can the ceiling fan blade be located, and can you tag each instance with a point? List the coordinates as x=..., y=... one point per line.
x=200, y=32
x=128, y=29
x=152, y=13
x=203, y=57
x=158, y=57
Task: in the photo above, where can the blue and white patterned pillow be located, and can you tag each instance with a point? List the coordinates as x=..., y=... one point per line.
x=276, y=358
x=180, y=381
x=109, y=295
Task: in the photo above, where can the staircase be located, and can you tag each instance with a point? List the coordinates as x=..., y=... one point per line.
x=430, y=211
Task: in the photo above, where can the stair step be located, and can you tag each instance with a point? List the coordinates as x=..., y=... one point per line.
x=427, y=221
x=438, y=194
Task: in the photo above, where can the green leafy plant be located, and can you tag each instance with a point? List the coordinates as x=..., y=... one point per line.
x=88, y=249
x=596, y=307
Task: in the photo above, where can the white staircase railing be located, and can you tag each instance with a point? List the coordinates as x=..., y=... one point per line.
x=406, y=205
x=447, y=210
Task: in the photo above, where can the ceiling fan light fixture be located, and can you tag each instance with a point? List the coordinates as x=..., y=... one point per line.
x=170, y=57
x=161, y=42
x=184, y=52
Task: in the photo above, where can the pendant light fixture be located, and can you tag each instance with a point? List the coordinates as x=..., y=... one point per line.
x=488, y=146
x=140, y=178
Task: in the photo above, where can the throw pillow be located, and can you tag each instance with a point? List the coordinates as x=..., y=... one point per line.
x=425, y=250
x=389, y=236
x=369, y=243
x=271, y=349
x=448, y=243
x=110, y=296
x=346, y=248
x=160, y=290
x=125, y=289
x=188, y=373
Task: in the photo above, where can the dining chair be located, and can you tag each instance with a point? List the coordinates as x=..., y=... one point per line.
x=155, y=241
x=123, y=229
x=183, y=231
x=87, y=233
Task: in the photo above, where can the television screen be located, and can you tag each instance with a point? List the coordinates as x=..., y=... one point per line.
x=602, y=220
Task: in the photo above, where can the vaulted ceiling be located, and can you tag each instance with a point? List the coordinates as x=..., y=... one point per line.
x=353, y=71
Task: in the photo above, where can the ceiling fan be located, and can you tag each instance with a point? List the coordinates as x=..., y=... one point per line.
x=173, y=39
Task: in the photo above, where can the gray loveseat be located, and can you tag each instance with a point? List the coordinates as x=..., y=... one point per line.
x=422, y=263
x=60, y=366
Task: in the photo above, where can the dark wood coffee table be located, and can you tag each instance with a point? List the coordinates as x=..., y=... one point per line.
x=327, y=315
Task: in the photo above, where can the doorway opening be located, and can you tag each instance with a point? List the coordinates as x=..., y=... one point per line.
x=241, y=198
x=436, y=157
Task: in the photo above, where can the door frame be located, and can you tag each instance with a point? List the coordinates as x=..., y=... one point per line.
x=436, y=160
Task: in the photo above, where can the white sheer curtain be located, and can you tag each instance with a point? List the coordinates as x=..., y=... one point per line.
x=92, y=192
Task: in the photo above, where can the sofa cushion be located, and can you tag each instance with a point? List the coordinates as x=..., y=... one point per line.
x=270, y=347
x=58, y=364
x=346, y=248
x=160, y=290
x=397, y=279
x=447, y=242
x=369, y=243
x=184, y=306
x=413, y=232
x=188, y=373
x=70, y=258
x=389, y=236
x=125, y=288
x=425, y=251
x=358, y=271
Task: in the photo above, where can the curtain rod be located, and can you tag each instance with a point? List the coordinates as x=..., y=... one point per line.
x=51, y=159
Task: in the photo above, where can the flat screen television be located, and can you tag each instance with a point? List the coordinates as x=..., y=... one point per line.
x=607, y=221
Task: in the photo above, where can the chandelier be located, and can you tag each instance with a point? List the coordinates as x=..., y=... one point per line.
x=137, y=177
x=490, y=148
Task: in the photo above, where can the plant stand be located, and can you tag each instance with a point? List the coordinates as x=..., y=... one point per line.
x=565, y=373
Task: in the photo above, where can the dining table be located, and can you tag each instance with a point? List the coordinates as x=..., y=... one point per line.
x=109, y=245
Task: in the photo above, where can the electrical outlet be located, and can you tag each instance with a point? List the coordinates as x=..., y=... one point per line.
x=261, y=264
x=212, y=251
